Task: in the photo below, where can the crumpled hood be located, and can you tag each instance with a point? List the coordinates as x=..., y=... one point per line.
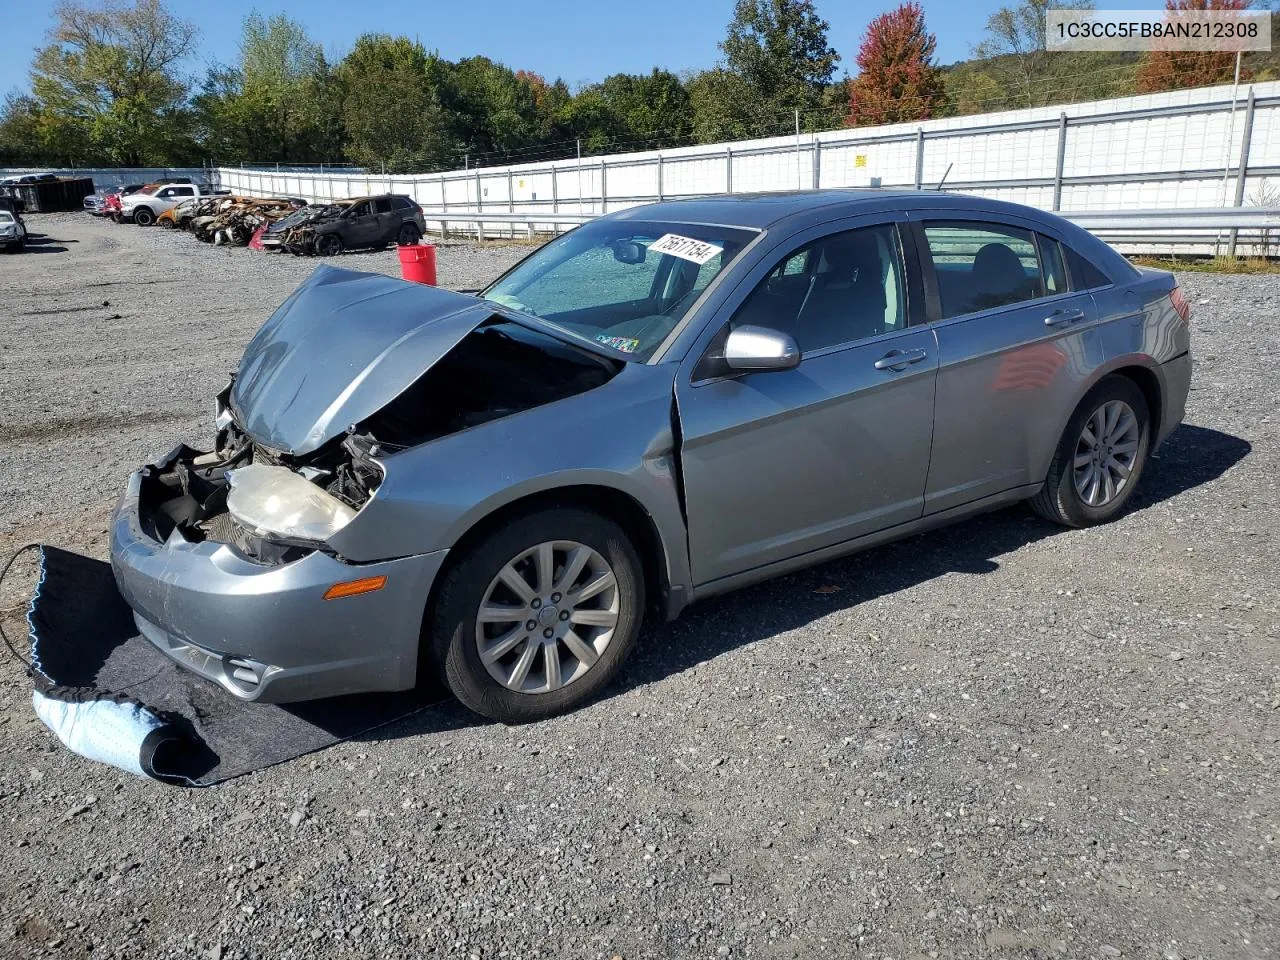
x=343, y=346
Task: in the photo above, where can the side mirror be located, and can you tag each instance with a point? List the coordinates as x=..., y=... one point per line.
x=628, y=251
x=758, y=348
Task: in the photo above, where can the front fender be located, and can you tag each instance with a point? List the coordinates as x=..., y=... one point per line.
x=618, y=436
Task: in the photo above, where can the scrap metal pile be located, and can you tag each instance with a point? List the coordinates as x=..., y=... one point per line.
x=230, y=220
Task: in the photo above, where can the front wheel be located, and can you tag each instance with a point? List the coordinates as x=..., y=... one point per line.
x=537, y=618
x=143, y=217
x=1100, y=457
x=328, y=245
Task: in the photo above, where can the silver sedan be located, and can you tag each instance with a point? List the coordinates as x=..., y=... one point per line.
x=665, y=404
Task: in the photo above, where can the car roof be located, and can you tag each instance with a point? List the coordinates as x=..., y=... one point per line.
x=762, y=210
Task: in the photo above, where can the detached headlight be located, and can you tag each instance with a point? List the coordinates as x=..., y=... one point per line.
x=276, y=501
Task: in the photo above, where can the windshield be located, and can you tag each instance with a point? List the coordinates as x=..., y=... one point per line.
x=623, y=283
x=6, y=217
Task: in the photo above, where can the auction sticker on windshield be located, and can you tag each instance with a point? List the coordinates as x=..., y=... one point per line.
x=686, y=248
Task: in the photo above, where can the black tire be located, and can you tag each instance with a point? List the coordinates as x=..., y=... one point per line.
x=1058, y=500
x=449, y=645
x=328, y=245
x=409, y=234
x=143, y=217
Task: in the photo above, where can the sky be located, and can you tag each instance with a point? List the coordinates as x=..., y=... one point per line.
x=580, y=41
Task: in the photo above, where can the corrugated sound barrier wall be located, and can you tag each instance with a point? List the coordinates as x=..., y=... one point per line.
x=1167, y=150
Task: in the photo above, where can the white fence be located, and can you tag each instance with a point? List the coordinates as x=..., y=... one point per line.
x=1207, y=147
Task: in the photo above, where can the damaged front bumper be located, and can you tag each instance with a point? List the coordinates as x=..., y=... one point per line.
x=265, y=631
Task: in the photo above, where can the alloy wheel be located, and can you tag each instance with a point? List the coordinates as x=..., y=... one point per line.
x=547, y=617
x=1106, y=453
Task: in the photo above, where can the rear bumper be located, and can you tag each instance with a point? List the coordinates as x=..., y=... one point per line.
x=1176, y=374
x=264, y=632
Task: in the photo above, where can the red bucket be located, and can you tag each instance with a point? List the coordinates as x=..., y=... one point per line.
x=418, y=262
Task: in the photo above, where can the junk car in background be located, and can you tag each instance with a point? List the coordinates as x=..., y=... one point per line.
x=13, y=232
x=326, y=229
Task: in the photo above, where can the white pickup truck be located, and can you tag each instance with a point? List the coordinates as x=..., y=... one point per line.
x=148, y=203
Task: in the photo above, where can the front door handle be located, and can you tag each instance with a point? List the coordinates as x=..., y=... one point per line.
x=1061, y=318
x=899, y=359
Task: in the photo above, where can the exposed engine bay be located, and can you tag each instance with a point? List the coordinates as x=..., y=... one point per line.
x=497, y=370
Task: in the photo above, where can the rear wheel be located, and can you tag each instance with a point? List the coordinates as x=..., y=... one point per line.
x=409, y=234
x=143, y=217
x=328, y=245
x=1100, y=457
x=537, y=618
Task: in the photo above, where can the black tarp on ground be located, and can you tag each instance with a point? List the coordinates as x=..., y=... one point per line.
x=83, y=636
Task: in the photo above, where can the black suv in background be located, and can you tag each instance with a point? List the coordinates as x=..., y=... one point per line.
x=368, y=222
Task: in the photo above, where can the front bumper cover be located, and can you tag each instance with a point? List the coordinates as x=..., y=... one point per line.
x=264, y=632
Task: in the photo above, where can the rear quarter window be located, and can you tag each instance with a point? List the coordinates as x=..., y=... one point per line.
x=1085, y=274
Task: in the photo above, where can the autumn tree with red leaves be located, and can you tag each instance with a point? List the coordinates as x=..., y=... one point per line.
x=897, y=80
x=1178, y=69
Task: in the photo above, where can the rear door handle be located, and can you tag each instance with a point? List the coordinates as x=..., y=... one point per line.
x=899, y=359
x=1061, y=318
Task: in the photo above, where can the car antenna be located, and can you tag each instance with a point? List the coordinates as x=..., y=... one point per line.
x=944, y=176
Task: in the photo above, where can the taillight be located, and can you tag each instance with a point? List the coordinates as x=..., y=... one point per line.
x=1180, y=304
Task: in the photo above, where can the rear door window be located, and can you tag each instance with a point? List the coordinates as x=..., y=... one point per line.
x=383, y=205
x=982, y=266
x=1055, y=271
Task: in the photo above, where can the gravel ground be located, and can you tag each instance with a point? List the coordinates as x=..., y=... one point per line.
x=1001, y=739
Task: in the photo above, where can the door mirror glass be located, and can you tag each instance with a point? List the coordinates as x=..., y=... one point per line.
x=760, y=348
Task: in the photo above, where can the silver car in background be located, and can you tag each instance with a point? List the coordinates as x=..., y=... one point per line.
x=667, y=403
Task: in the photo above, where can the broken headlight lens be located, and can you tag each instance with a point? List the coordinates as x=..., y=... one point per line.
x=275, y=501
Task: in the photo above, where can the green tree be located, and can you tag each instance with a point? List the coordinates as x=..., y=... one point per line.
x=392, y=105
x=279, y=103
x=639, y=111
x=722, y=109
x=1020, y=64
x=589, y=118
x=20, y=142
x=495, y=109
x=108, y=85
x=779, y=49
x=971, y=90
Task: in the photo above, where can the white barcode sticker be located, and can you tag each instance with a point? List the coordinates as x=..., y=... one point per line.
x=686, y=248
